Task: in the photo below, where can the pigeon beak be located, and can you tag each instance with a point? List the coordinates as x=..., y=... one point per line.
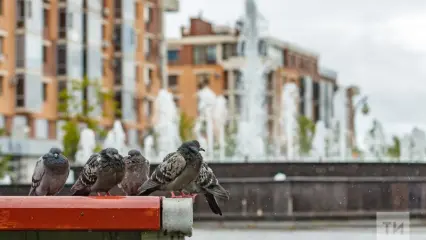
x=116, y=156
x=202, y=149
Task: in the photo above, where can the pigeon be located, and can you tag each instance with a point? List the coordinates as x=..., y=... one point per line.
x=207, y=183
x=50, y=174
x=176, y=171
x=102, y=172
x=136, y=172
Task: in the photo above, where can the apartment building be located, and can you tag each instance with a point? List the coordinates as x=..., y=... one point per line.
x=207, y=54
x=45, y=44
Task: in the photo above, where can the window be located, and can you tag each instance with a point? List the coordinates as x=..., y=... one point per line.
x=1, y=46
x=211, y=54
x=20, y=91
x=62, y=23
x=270, y=78
x=20, y=50
x=225, y=80
x=173, y=81
x=173, y=55
x=45, y=54
x=238, y=103
x=62, y=88
x=117, y=99
x=229, y=50
x=148, y=108
x=204, y=54
x=148, y=82
x=46, y=17
x=237, y=78
x=20, y=18
x=45, y=92
x=147, y=47
x=62, y=59
x=262, y=48
x=1, y=85
x=69, y=20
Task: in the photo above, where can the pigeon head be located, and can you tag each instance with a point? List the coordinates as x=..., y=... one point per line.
x=134, y=152
x=193, y=146
x=112, y=153
x=56, y=152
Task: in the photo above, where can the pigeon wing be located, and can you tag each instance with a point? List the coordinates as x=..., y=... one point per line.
x=168, y=156
x=87, y=176
x=209, y=183
x=37, y=176
x=165, y=173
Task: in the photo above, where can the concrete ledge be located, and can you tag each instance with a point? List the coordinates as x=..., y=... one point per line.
x=177, y=215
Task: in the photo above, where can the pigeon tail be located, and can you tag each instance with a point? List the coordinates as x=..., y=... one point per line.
x=218, y=191
x=211, y=200
x=148, y=187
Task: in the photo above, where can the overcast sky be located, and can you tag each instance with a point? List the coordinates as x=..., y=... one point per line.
x=379, y=45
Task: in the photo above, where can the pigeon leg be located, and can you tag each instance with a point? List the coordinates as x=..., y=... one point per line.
x=99, y=194
x=184, y=195
x=108, y=194
x=174, y=196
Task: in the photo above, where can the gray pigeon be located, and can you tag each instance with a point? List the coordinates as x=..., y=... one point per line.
x=176, y=171
x=207, y=183
x=102, y=172
x=137, y=172
x=50, y=174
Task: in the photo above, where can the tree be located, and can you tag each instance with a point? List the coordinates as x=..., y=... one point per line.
x=186, y=127
x=306, y=133
x=394, y=150
x=4, y=161
x=75, y=110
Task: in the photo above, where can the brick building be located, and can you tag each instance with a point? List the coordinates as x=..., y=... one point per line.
x=46, y=44
x=206, y=54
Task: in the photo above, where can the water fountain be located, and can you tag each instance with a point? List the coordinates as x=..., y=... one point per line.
x=376, y=142
x=148, y=147
x=252, y=122
x=319, y=141
x=166, y=124
x=406, y=148
x=338, y=142
x=288, y=123
x=116, y=138
x=220, y=117
x=419, y=145
x=204, y=123
x=86, y=146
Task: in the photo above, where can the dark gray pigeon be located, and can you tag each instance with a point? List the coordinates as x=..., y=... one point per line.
x=102, y=172
x=137, y=172
x=207, y=183
x=176, y=171
x=50, y=174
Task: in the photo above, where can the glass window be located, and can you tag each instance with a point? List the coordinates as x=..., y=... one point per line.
x=211, y=54
x=173, y=55
x=69, y=20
